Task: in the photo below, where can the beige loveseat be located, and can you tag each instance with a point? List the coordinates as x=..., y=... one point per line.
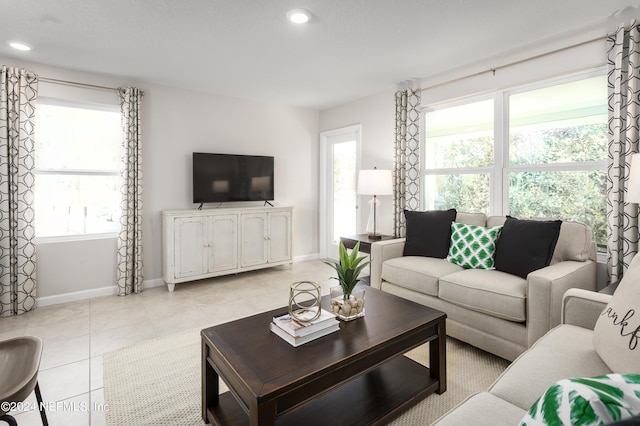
x=496, y=311
x=566, y=351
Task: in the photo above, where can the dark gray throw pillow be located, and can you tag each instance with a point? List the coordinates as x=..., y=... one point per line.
x=428, y=233
x=526, y=245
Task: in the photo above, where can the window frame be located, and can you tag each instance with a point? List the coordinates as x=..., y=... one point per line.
x=88, y=105
x=495, y=185
x=502, y=169
x=507, y=168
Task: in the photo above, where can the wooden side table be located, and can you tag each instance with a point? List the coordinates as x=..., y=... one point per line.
x=350, y=241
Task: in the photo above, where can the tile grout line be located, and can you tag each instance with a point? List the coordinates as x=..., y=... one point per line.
x=228, y=292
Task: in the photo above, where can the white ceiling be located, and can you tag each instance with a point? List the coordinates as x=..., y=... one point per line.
x=247, y=49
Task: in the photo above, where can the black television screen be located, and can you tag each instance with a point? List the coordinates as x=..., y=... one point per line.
x=226, y=177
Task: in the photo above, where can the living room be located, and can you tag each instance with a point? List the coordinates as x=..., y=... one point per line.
x=179, y=121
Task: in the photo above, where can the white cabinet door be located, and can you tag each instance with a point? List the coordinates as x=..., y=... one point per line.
x=279, y=236
x=201, y=244
x=223, y=242
x=191, y=253
x=254, y=231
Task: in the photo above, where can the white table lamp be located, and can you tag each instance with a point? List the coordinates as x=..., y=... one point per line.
x=374, y=182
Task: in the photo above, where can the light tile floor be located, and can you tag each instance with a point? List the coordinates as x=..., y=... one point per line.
x=77, y=334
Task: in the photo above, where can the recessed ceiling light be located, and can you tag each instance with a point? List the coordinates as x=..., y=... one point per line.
x=18, y=45
x=298, y=16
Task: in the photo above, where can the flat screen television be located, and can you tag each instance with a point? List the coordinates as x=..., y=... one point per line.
x=221, y=178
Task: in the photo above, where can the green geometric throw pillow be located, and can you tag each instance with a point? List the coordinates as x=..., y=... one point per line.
x=593, y=401
x=473, y=246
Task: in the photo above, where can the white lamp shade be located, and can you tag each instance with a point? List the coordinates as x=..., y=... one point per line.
x=633, y=181
x=375, y=182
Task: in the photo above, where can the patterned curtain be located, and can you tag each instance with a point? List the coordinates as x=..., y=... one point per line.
x=624, y=113
x=129, y=256
x=406, y=167
x=18, y=92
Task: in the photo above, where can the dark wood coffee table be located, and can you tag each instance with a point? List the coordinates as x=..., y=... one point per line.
x=355, y=376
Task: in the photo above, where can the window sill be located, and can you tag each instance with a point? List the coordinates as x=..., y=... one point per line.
x=71, y=238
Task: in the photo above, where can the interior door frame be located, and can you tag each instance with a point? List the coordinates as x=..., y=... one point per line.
x=326, y=187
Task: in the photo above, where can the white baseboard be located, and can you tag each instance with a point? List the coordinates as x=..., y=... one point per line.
x=305, y=257
x=156, y=282
x=88, y=294
x=76, y=295
x=111, y=290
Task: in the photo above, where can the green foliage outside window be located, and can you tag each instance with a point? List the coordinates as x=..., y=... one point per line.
x=464, y=192
x=581, y=143
x=577, y=195
x=459, y=151
x=567, y=195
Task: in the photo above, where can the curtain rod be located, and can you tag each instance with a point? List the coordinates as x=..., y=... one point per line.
x=75, y=83
x=510, y=64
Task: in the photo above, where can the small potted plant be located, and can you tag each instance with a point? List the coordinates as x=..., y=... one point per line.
x=347, y=303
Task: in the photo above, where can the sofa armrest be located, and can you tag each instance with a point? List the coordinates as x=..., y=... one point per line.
x=545, y=289
x=582, y=308
x=381, y=251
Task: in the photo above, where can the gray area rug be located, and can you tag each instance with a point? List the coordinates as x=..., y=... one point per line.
x=157, y=382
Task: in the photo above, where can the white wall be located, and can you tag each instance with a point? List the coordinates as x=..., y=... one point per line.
x=584, y=57
x=75, y=269
x=376, y=114
x=175, y=124
x=180, y=123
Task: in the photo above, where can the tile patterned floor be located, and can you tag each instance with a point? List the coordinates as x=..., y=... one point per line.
x=77, y=334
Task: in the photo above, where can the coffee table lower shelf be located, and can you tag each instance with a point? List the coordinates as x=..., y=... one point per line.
x=373, y=398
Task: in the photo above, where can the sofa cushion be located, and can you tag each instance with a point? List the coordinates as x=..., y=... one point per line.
x=575, y=242
x=565, y=351
x=428, y=233
x=587, y=401
x=479, y=219
x=617, y=330
x=473, y=246
x=488, y=291
x=417, y=273
x=526, y=245
x=495, y=221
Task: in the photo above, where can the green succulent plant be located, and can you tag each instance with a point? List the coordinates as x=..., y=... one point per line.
x=348, y=268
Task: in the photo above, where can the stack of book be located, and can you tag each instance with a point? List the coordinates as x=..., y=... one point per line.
x=297, y=333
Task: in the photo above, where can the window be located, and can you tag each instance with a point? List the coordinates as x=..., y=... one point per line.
x=77, y=169
x=540, y=153
x=558, y=151
x=459, y=157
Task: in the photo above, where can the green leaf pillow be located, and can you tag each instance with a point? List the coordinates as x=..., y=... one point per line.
x=473, y=246
x=587, y=401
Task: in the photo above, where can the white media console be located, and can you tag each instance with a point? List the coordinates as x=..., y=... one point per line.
x=206, y=243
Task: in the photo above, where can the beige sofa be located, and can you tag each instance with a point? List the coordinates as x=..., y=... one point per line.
x=564, y=352
x=501, y=313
